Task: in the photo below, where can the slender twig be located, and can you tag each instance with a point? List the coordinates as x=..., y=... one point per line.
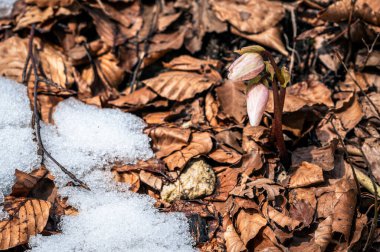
x=36, y=114
x=369, y=49
x=349, y=51
x=357, y=84
x=141, y=56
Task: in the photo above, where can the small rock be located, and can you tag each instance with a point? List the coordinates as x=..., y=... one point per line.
x=198, y=180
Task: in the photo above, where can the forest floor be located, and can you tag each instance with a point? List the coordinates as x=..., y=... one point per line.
x=166, y=61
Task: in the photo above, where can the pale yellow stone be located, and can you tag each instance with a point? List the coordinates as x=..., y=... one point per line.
x=197, y=181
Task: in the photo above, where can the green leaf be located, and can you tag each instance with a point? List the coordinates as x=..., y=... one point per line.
x=286, y=76
x=269, y=69
x=251, y=49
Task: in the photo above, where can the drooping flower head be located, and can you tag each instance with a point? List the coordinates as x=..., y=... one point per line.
x=246, y=67
x=257, y=99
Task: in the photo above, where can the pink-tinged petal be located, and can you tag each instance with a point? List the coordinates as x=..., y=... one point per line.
x=246, y=67
x=257, y=99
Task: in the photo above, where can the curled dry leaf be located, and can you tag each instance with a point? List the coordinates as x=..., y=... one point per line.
x=368, y=110
x=270, y=38
x=252, y=16
x=224, y=154
x=339, y=201
x=233, y=241
x=179, y=86
x=138, y=98
x=13, y=53
x=227, y=179
x=33, y=15
x=130, y=178
x=280, y=218
x=306, y=174
x=200, y=144
x=28, y=217
x=203, y=21
x=167, y=140
x=151, y=180
x=197, y=180
x=232, y=99
x=371, y=149
x=188, y=63
x=323, y=234
x=211, y=109
x=304, y=94
x=323, y=157
x=368, y=10
x=49, y=3
x=37, y=184
x=249, y=225
x=303, y=212
x=231, y=138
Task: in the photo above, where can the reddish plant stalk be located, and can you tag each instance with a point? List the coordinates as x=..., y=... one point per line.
x=278, y=104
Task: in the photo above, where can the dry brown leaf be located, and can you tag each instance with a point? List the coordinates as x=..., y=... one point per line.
x=232, y=99
x=166, y=140
x=280, y=218
x=260, y=185
x=140, y=97
x=349, y=112
x=230, y=138
x=188, y=63
x=304, y=94
x=151, y=180
x=249, y=225
x=371, y=149
x=130, y=178
x=38, y=184
x=233, y=241
x=306, y=174
x=224, y=154
x=108, y=70
x=164, y=42
x=47, y=104
x=339, y=201
x=323, y=157
x=368, y=10
x=33, y=15
x=179, y=86
x=49, y=3
x=323, y=234
x=211, y=109
x=203, y=21
x=303, y=212
x=28, y=217
x=227, y=179
x=368, y=110
x=200, y=144
x=251, y=16
x=13, y=53
x=270, y=38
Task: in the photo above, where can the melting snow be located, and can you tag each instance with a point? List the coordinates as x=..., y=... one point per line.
x=6, y=7
x=86, y=140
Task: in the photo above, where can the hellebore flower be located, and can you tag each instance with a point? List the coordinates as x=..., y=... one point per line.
x=257, y=99
x=246, y=67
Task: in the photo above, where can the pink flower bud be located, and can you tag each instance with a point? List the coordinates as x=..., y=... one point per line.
x=257, y=99
x=246, y=67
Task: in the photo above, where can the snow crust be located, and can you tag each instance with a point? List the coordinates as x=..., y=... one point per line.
x=17, y=148
x=116, y=221
x=87, y=140
x=6, y=7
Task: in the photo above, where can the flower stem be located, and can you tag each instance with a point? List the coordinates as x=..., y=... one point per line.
x=278, y=100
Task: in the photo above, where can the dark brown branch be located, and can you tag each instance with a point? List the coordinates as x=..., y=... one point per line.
x=36, y=114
